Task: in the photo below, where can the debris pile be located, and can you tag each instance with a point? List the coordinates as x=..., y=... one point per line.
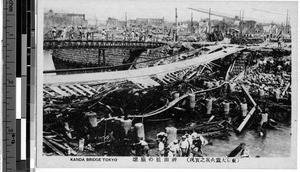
x=212, y=100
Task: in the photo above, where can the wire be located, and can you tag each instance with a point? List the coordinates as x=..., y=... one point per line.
x=268, y=12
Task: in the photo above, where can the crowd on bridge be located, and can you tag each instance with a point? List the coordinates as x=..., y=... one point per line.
x=91, y=33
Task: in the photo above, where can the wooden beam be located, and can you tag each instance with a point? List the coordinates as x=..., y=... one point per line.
x=283, y=92
x=248, y=94
x=53, y=148
x=246, y=119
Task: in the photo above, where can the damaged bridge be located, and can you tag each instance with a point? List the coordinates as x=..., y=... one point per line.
x=144, y=76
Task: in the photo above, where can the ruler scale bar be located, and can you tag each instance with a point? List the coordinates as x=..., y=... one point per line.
x=9, y=128
x=17, y=57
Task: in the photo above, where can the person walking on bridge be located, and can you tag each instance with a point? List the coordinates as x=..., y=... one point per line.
x=54, y=32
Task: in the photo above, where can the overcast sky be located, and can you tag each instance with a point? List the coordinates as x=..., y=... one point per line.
x=266, y=11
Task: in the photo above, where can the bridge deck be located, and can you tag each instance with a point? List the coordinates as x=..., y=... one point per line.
x=138, y=73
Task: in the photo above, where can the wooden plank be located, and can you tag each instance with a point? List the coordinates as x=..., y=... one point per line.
x=86, y=90
x=169, y=78
x=76, y=89
x=249, y=96
x=246, y=119
x=51, y=94
x=144, y=81
x=59, y=91
x=90, y=88
x=69, y=90
x=57, y=144
x=283, y=92
x=53, y=148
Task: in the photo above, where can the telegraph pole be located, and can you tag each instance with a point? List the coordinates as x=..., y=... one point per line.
x=176, y=21
x=192, y=24
x=125, y=20
x=241, y=24
x=209, y=24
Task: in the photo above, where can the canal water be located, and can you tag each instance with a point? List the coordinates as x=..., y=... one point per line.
x=277, y=143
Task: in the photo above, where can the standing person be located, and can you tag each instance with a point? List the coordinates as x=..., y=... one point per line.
x=245, y=153
x=196, y=147
x=132, y=35
x=204, y=142
x=184, y=146
x=144, y=147
x=103, y=32
x=80, y=32
x=194, y=135
x=280, y=40
x=72, y=33
x=161, y=148
x=189, y=138
x=263, y=121
x=161, y=136
x=54, y=32
x=174, y=148
x=88, y=32
x=64, y=33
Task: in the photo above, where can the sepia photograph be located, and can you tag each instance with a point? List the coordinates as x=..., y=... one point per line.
x=167, y=81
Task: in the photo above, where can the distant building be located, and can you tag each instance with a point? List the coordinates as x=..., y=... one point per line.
x=150, y=21
x=64, y=19
x=131, y=23
x=249, y=24
x=113, y=22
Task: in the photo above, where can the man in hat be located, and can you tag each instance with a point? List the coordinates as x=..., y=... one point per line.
x=161, y=136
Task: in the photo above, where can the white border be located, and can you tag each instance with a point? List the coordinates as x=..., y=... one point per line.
x=63, y=162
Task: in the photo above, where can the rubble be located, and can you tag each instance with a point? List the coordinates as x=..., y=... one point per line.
x=93, y=123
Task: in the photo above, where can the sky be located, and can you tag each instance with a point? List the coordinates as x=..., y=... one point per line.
x=261, y=11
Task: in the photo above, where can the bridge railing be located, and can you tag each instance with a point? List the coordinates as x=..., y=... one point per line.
x=74, y=44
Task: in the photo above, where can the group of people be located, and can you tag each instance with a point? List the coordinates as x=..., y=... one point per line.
x=70, y=33
x=190, y=145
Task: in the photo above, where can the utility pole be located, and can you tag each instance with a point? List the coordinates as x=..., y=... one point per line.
x=176, y=33
x=126, y=20
x=209, y=24
x=192, y=24
x=287, y=21
x=242, y=24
